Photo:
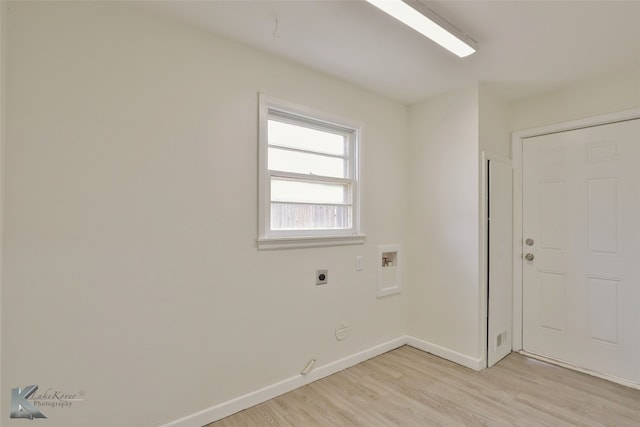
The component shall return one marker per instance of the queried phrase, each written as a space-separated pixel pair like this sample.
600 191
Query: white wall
130 219
443 274
446 296
616 91
493 122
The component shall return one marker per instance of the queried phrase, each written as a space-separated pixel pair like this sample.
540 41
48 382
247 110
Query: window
308 178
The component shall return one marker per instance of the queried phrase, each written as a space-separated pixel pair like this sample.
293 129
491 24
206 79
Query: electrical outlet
322 277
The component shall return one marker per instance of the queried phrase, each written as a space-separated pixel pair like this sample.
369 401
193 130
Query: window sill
271 243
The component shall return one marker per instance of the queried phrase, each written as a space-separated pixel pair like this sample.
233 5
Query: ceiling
525 47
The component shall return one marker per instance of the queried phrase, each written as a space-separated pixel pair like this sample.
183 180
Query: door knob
529 242
529 257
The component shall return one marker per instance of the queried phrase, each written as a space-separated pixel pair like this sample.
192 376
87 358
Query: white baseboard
238 404
453 356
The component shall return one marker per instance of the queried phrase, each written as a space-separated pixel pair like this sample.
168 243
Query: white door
499 265
581 229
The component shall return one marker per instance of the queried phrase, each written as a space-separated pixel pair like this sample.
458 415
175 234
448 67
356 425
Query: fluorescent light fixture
429 24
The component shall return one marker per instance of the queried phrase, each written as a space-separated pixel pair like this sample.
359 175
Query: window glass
304 138
285 190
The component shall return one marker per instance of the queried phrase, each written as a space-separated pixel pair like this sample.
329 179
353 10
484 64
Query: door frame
517 141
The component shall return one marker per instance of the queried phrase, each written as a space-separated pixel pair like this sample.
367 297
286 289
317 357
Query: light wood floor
407 387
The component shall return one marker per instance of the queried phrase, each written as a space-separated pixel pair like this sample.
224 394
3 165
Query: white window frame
283 239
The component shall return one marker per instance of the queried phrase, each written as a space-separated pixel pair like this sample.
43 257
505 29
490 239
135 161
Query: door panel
581 210
500 193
